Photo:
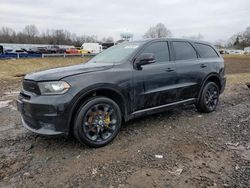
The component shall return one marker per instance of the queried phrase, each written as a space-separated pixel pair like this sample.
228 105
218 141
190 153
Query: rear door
210 60
187 69
155 83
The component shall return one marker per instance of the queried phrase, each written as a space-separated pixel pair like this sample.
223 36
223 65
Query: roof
172 39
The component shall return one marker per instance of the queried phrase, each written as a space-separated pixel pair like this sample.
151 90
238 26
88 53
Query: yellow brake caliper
107 119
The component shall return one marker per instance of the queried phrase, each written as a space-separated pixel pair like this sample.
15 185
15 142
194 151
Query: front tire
97 122
209 98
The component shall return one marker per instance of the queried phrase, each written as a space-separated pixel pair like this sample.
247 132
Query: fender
214 74
91 89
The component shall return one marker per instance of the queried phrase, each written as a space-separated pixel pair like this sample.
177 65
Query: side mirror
144 59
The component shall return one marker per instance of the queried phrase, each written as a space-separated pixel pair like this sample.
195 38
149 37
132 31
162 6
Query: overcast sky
214 19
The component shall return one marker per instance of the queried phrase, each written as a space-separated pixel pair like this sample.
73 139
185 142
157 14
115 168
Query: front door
155 83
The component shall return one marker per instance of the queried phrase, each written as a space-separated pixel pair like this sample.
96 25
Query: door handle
203 66
169 69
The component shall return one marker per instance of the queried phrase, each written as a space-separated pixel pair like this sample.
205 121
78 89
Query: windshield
116 53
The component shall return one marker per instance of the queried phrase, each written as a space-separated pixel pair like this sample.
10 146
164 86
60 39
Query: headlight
53 88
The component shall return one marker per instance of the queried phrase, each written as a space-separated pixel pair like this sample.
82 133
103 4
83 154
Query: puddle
5 103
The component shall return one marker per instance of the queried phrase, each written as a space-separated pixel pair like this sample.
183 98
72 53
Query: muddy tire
209 98
97 122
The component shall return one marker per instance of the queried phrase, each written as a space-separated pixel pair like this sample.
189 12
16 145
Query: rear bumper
47 115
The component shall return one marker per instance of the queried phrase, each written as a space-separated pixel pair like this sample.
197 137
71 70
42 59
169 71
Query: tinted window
206 51
159 49
184 50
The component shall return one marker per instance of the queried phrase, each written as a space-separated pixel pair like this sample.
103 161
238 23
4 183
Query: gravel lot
177 148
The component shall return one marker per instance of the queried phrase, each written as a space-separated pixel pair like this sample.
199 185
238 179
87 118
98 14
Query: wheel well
114 96
104 93
214 79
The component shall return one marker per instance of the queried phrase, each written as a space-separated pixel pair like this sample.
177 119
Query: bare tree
240 40
60 36
6 31
220 43
30 34
246 35
7 34
30 31
158 31
231 40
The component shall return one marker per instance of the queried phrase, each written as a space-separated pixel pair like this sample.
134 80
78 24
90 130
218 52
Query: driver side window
159 49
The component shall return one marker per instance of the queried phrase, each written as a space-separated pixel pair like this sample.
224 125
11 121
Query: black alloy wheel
98 122
209 98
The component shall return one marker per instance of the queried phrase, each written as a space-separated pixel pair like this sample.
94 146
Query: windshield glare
116 53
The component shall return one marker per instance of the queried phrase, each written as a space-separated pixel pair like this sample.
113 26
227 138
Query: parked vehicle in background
82 51
235 52
247 50
8 50
15 51
29 51
120 41
123 82
20 51
1 49
72 51
92 47
40 50
56 50
107 45
223 51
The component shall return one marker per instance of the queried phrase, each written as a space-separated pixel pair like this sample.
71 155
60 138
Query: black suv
91 100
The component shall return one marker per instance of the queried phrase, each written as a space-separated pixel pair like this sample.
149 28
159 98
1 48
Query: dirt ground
177 148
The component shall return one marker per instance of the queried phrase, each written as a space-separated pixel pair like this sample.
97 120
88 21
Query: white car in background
16 51
236 52
94 48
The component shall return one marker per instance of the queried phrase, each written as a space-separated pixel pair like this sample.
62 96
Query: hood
59 73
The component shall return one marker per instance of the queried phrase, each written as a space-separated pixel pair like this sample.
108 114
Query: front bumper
41 130
47 115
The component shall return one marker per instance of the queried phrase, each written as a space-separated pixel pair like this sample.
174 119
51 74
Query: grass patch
231 56
237 64
14 68
242 78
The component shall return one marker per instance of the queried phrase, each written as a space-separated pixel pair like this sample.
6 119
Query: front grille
31 86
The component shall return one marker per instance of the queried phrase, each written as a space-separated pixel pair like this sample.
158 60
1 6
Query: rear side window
206 51
184 51
159 49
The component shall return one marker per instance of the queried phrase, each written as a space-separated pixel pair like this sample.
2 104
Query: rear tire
97 122
209 98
